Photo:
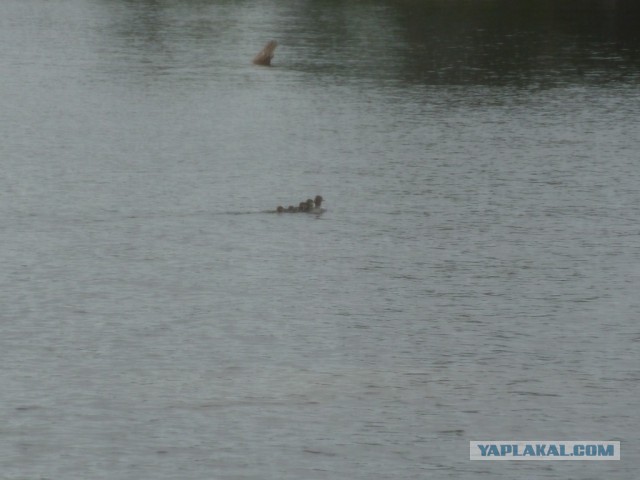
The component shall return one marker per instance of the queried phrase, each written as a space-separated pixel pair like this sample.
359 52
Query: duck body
310 206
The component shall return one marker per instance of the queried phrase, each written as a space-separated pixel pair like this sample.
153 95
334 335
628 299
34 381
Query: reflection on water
502 42
488 42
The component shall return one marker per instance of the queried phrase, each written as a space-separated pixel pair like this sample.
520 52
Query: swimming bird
309 206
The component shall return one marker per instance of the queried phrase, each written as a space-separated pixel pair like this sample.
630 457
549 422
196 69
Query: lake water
475 275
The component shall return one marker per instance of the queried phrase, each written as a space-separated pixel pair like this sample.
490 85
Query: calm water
475 275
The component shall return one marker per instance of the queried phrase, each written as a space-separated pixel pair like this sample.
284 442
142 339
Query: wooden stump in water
266 54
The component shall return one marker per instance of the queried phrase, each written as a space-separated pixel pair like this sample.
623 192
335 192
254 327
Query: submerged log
266 54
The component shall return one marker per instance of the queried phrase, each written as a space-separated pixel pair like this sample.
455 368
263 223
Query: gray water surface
475 275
